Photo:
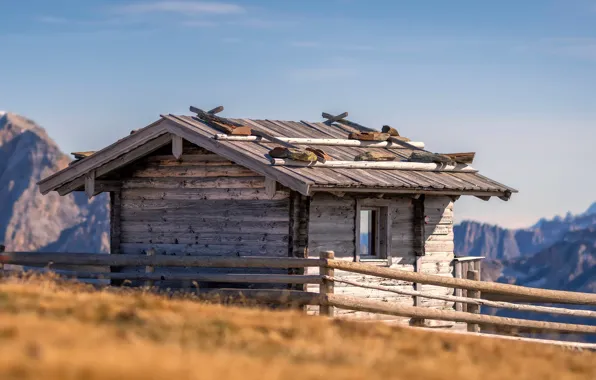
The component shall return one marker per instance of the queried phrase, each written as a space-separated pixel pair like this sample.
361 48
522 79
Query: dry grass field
55 330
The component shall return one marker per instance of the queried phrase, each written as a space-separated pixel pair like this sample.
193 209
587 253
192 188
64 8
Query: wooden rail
32 258
545 295
326 299
473 301
173 276
359 304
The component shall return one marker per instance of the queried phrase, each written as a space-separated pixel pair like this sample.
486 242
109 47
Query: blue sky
512 80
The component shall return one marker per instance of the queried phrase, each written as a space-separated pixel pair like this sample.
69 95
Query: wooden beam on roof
90 184
215 110
484 198
386 165
330 118
357 127
405 144
212 118
316 141
177 146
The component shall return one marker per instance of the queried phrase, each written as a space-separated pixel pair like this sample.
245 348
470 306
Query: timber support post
326 286
474 309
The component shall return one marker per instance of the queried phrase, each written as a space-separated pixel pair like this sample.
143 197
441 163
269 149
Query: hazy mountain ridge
494 242
30 221
559 253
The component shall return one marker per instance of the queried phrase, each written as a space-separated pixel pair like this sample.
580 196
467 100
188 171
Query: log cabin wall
201 205
332 226
438 252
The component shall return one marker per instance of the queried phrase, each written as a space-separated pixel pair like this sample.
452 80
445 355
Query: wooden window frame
382 232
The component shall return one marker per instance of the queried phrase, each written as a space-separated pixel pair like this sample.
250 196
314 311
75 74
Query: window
372 231
369 232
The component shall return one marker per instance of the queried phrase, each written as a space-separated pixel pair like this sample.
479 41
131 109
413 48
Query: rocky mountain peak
30 221
591 210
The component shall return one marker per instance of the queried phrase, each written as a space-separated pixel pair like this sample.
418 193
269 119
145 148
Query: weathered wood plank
41 258
205 207
201 194
188 158
195 183
193 171
116 163
269 249
177 146
224 278
200 226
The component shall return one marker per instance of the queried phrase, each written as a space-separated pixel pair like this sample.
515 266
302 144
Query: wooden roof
254 155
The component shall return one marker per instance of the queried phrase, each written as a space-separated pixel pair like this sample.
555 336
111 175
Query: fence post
458 292
149 268
326 286
475 309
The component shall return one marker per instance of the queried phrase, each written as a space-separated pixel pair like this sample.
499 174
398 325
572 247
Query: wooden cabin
208 185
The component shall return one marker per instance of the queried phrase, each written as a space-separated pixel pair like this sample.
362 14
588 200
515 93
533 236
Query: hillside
61 331
30 221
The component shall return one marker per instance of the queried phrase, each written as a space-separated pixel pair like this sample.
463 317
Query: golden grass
52 330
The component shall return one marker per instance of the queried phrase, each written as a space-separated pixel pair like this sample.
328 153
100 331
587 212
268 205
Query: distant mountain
558 253
494 242
591 210
30 221
568 264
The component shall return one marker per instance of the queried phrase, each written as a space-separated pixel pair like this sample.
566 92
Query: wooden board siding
332 227
201 205
438 248
298 232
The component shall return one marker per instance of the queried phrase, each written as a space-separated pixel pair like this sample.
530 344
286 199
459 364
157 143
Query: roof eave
503 195
81 167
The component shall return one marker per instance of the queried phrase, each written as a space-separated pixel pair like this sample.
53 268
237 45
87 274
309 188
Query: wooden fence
468 312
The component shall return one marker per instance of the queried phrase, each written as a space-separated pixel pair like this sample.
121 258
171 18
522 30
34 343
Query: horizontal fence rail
326 299
544 295
300 298
32 258
165 276
473 301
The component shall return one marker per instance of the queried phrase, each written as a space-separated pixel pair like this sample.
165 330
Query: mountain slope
30 221
494 242
558 254
569 264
